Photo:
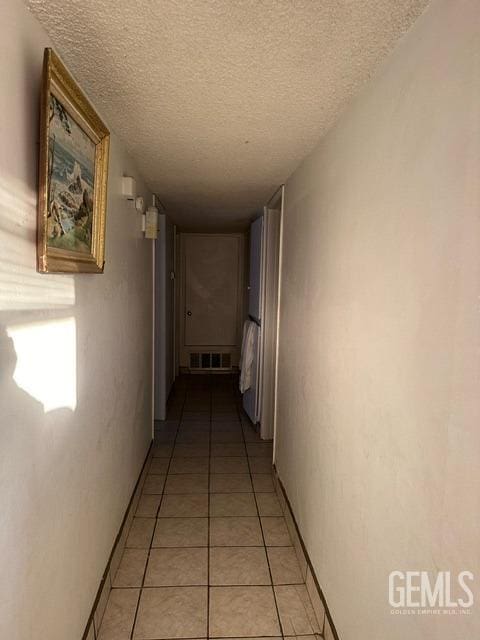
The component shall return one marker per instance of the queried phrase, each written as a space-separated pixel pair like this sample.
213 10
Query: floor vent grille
210 360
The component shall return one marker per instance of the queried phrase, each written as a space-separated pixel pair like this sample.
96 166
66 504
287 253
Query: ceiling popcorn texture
218 101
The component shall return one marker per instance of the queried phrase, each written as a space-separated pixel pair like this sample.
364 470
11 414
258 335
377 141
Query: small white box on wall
129 188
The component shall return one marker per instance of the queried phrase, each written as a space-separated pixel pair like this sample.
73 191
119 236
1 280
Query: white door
211 310
250 397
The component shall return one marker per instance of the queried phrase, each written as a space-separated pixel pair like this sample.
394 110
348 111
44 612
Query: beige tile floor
208 554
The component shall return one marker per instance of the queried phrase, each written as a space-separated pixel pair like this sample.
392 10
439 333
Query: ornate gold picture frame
72 192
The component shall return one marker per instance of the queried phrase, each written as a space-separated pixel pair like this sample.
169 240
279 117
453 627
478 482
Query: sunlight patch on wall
46 361
21 287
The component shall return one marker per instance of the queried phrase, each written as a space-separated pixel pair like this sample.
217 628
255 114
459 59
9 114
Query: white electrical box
129 188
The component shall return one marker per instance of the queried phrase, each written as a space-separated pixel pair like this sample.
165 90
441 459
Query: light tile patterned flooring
208 554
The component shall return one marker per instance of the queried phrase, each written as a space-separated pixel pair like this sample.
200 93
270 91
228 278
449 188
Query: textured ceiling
219 100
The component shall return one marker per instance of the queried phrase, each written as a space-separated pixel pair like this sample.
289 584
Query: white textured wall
379 387
76 425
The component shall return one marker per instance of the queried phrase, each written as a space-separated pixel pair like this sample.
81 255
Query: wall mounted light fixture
150 216
151 221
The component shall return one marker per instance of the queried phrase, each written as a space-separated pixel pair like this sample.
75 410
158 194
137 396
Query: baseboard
100 602
315 592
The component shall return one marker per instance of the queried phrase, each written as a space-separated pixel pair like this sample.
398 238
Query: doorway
210 306
259 399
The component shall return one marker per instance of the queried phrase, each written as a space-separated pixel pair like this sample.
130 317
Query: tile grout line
154 528
221 586
261 529
243 638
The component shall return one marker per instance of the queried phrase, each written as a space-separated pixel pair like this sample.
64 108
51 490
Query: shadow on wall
19 409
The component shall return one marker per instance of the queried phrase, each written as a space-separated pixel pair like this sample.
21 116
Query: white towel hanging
247 355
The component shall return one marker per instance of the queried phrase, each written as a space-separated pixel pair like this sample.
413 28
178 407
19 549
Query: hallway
208 554
239 320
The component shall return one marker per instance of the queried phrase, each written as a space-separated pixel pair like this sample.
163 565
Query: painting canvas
73 168
71 181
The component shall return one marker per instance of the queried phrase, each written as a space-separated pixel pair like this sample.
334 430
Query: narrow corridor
208 554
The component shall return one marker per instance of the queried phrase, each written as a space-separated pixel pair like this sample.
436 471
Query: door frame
163 340
272 261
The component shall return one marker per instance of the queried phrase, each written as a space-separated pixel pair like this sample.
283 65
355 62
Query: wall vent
209 360
194 361
226 361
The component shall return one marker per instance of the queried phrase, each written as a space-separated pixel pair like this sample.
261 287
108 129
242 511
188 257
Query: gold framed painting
74 146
